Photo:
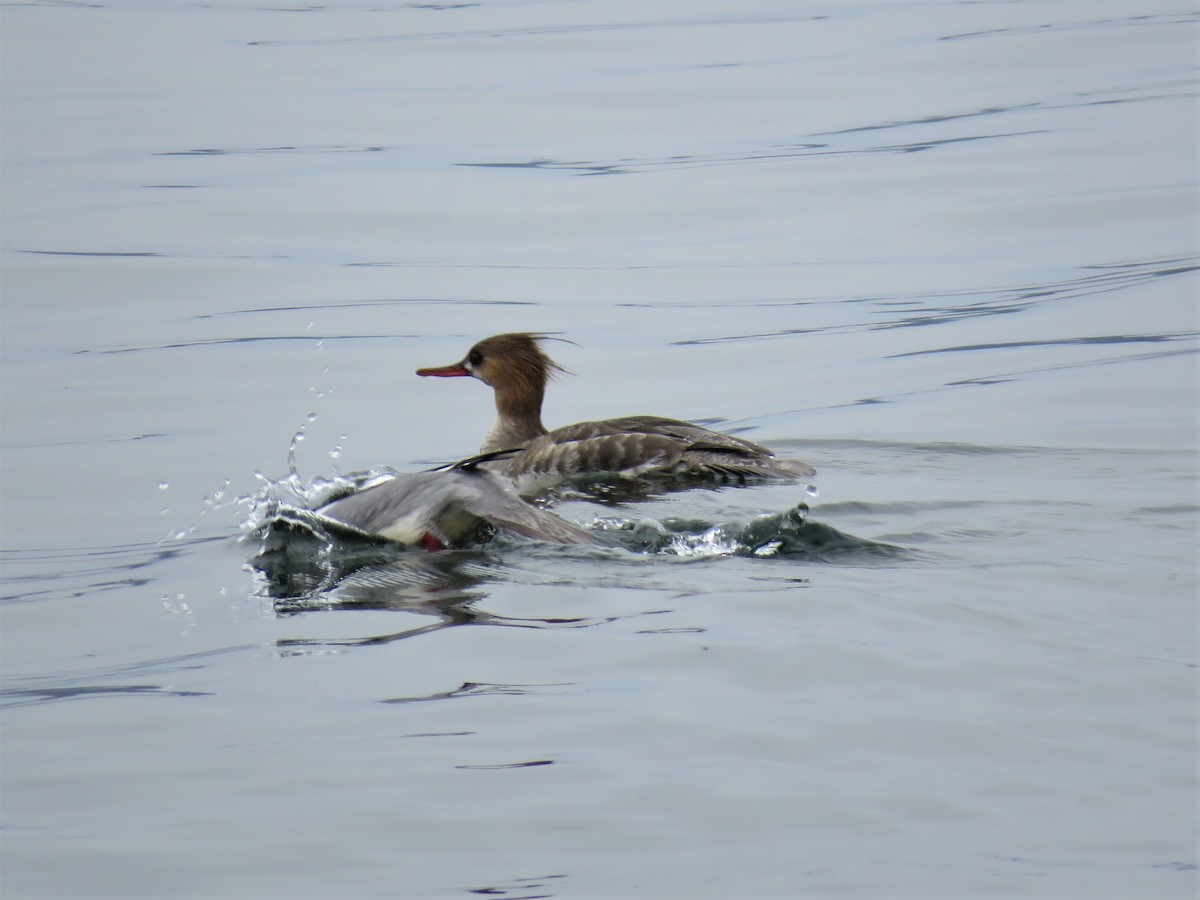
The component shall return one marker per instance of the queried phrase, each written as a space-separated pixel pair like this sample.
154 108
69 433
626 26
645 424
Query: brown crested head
513 363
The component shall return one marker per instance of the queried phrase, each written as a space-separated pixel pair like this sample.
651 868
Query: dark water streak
1148 92
1050 27
537 31
933 309
35 696
85 571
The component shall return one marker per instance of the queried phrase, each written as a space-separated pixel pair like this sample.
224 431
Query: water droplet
812 490
162 485
336 453
796 516
312 417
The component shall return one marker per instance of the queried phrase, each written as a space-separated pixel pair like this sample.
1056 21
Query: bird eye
474 357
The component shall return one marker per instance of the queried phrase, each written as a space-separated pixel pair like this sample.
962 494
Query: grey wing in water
448 505
405 502
500 504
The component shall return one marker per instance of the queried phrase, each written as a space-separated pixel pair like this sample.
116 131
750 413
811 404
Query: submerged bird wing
447 505
493 498
378 509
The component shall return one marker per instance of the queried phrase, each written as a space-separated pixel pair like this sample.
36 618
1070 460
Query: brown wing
650 444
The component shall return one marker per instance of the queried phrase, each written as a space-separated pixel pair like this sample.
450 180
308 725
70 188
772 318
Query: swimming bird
447 507
517 369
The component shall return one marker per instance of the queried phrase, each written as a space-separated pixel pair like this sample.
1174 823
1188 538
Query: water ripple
51 573
259 339
539 30
517 888
30 697
846 141
1058 342
484 689
776 153
887 312
1181 18
230 151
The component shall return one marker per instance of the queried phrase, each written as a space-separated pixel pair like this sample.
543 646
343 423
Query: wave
304 561
789 535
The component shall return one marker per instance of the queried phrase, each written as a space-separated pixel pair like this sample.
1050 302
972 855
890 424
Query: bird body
517 369
444 508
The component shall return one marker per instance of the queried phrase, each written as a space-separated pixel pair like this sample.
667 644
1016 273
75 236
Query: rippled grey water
944 251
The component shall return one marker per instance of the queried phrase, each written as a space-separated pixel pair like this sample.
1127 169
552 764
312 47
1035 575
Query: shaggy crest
516 359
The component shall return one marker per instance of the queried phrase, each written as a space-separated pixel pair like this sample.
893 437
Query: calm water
945 251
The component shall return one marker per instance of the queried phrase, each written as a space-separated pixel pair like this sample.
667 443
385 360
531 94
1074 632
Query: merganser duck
446 507
517 369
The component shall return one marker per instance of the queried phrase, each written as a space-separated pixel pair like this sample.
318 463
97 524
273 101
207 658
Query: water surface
943 251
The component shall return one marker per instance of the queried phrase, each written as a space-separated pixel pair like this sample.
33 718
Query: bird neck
518 419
